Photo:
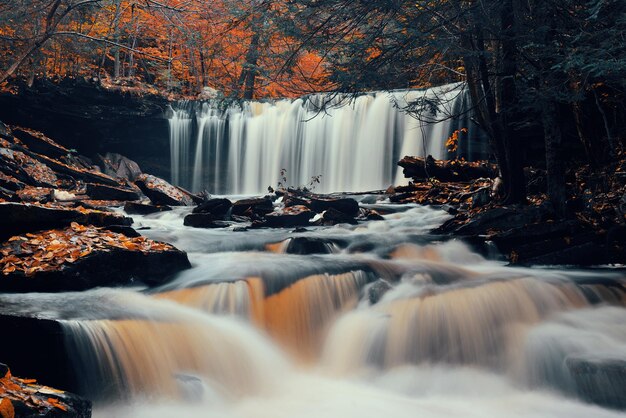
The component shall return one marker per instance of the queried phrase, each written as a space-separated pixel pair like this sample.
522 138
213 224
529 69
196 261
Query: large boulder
17 218
288 217
161 192
218 208
26 398
347 206
83 257
118 166
250 207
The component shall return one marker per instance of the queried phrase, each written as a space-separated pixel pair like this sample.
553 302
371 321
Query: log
420 169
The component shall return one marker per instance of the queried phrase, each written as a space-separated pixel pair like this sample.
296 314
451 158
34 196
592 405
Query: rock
79 258
419 168
449 209
5 131
95 120
118 166
512 238
161 192
481 197
499 219
218 208
377 290
602 382
17 218
369 215
333 217
135 208
346 206
39 143
104 192
26 169
289 217
78 173
26 398
31 194
576 251
124 230
204 220
310 245
256 206
10 183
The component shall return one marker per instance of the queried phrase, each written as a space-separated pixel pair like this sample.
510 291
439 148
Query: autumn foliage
174 45
49 250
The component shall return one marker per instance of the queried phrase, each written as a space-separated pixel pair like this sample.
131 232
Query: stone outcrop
83 257
161 192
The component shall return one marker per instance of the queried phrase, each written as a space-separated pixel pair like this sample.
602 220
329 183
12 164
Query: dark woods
547 78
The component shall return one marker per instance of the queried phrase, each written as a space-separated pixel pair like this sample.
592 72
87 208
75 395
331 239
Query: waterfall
353 143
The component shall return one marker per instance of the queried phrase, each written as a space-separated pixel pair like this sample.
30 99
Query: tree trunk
554 160
515 183
22 57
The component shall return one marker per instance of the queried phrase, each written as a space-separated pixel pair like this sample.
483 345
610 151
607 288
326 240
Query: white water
353 145
250 333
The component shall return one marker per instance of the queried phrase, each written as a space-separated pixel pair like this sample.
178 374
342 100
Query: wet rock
39 143
17 218
104 192
535 232
498 219
333 217
218 208
161 192
289 217
204 220
256 206
377 290
80 258
602 382
310 245
26 398
136 208
576 251
481 197
369 215
346 206
118 166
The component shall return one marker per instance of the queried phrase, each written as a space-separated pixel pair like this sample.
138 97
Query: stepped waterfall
386 319
352 142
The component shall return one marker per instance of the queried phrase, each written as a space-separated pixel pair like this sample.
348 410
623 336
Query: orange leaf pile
50 250
29 393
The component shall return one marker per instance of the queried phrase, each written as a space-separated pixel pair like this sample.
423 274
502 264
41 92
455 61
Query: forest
322 208
551 69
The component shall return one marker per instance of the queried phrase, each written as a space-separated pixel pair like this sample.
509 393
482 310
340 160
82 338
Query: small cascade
297 316
352 143
170 346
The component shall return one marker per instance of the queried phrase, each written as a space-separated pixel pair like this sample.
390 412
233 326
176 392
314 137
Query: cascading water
353 144
384 321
